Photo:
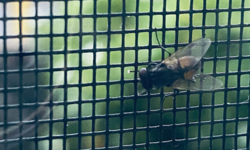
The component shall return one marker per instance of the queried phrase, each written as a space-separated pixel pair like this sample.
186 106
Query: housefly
181 70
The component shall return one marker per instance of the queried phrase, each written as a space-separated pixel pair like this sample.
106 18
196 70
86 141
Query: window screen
64 81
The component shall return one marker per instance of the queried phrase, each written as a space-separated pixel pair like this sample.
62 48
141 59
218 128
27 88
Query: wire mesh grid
64 81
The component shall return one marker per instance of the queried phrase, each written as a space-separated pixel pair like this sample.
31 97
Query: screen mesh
64 81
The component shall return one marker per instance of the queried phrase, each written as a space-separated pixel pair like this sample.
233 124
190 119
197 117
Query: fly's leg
193 80
165 96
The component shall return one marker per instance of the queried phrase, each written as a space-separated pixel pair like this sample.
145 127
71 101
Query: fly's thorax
160 75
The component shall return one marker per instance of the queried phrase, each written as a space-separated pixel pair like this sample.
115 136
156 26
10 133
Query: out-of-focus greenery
202 104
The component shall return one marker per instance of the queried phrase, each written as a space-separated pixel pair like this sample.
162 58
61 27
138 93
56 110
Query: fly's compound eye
146 83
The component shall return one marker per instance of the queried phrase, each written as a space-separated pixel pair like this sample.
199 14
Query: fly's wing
201 82
196 49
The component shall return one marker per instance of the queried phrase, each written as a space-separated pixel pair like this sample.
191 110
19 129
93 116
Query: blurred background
64 81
